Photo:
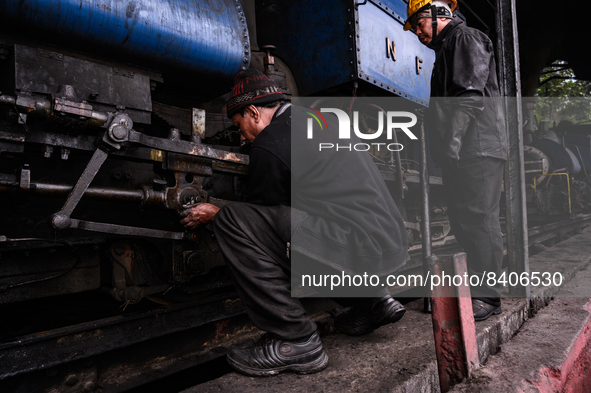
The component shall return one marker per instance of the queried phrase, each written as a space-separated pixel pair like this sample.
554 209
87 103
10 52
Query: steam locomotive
557 166
112 119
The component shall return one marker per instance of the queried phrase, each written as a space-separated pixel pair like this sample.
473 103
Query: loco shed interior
112 120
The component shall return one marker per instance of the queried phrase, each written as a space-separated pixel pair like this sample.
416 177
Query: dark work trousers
253 239
473 193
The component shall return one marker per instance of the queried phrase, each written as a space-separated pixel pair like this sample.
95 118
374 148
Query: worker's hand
199 214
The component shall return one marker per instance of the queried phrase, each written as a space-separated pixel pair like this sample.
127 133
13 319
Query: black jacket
342 212
467 117
269 168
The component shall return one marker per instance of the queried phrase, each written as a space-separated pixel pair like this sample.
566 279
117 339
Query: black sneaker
483 310
369 315
270 356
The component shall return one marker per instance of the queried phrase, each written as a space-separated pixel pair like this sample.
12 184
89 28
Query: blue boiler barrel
203 36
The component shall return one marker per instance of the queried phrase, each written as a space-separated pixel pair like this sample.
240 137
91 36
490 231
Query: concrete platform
401 357
550 353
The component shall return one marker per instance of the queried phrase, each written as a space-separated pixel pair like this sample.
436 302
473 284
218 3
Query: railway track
120 351
549 232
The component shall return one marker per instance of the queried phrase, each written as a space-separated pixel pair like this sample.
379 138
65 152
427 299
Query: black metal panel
315 39
43 350
26 267
42 71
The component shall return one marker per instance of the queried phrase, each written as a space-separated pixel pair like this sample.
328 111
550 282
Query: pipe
425 219
40 106
105 193
396 156
8 100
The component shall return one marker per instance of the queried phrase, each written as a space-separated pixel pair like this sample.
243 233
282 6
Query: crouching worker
339 200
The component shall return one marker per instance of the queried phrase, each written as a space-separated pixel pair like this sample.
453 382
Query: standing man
340 215
467 126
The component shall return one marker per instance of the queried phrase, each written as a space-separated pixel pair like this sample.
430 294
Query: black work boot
270 355
369 315
483 310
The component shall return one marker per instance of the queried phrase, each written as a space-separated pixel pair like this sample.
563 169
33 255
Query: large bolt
119 133
89 386
174 134
65 153
48 151
60 221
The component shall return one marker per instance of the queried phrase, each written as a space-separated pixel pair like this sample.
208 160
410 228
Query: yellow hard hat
415 5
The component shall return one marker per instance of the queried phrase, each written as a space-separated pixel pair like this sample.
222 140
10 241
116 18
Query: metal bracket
25 178
119 129
112 139
75 108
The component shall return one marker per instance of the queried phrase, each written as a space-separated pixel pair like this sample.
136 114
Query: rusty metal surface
75 108
225 160
453 323
225 166
37 103
190 148
465 312
81 113
198 128
189 164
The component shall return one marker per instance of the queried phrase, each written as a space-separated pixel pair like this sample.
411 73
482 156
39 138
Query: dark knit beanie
252 87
